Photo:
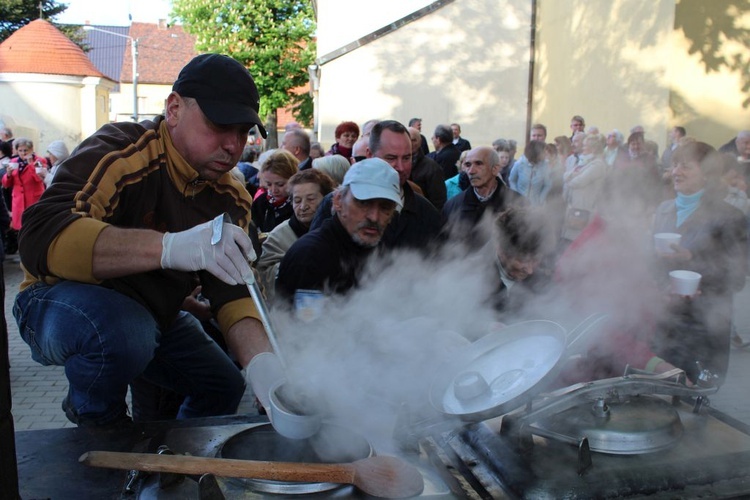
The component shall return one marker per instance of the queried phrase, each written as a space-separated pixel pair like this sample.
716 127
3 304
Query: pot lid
497 373
641 424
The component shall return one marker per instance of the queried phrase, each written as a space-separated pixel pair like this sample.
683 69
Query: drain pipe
532 61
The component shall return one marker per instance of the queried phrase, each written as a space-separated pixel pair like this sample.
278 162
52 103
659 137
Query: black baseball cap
223 88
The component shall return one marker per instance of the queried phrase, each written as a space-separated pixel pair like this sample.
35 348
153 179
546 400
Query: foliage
716 31
273 38
15 14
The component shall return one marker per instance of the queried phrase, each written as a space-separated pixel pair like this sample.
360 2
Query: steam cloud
378 348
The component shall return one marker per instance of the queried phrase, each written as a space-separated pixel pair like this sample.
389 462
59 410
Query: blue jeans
105 339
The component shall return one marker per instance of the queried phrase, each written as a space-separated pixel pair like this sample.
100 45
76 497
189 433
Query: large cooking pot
503 370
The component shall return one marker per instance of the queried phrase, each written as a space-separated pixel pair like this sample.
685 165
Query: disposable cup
663 241
684 282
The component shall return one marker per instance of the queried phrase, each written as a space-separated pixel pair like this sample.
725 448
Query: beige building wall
46 108
466 62
624 62
617 63
151 101
606 60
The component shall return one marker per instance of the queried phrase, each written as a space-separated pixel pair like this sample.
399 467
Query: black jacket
266 217
325 259
429 177
447 158
463 144
462 213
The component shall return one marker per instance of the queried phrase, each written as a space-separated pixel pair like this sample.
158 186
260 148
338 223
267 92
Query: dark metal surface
48 464
8 466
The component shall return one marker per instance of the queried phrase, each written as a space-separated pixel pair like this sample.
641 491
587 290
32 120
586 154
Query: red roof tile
41 48
162 52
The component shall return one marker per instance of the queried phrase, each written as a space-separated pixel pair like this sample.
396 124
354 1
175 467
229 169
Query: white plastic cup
663 242
684 282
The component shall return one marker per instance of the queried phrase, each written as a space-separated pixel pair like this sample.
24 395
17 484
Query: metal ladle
217 231
285 421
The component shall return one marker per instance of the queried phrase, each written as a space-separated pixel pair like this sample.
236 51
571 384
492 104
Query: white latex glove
262 373
191 250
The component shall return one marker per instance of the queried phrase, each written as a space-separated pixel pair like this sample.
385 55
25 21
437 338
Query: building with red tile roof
49 89
162 52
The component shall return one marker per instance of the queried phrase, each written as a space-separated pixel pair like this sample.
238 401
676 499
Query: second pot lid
641 424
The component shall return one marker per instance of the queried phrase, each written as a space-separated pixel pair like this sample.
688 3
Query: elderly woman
582 186
273 206
460 181
713 244
614 145
58 153
24 176
335 166
636 172
306 190
316 150
530 175
346 134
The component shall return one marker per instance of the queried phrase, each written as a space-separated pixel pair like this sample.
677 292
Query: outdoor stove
629 437
492 429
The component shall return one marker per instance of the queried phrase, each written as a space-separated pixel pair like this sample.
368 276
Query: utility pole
134 53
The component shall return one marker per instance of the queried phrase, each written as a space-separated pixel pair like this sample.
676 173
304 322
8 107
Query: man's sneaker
70 413
120 422
738 342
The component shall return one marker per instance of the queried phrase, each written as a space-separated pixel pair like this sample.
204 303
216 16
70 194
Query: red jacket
597 278
27 187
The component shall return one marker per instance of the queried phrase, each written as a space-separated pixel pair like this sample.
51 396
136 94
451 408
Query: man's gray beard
361 243
356 238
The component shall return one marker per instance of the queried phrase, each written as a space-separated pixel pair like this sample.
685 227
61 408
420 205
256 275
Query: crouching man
113 247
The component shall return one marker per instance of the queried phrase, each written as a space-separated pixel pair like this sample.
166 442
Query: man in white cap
331 258
119 240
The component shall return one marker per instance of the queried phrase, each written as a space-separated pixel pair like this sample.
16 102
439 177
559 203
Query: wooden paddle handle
223 467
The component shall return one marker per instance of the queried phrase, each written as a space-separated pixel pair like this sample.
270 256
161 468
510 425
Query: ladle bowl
289 419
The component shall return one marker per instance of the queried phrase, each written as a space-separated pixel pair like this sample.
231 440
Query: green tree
15 14
716 31
273 38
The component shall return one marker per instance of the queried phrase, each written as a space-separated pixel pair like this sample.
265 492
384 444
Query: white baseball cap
373 178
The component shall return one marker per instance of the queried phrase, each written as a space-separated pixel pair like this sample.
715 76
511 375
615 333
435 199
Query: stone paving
38 390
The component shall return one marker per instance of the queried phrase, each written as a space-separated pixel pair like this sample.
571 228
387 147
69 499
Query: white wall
47 108
466 62
151 101
606 60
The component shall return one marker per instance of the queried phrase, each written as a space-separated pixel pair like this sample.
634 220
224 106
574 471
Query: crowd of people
24 176
583 191
130 240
